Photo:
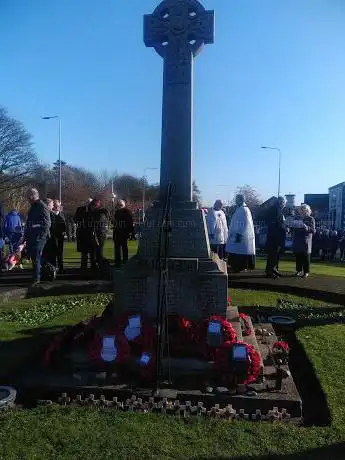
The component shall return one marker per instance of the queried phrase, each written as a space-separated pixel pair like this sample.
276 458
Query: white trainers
299 274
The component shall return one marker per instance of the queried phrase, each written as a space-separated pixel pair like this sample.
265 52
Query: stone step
232 316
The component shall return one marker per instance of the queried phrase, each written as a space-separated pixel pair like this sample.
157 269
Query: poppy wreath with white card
212 333
181 335
109 347
141 337
224 366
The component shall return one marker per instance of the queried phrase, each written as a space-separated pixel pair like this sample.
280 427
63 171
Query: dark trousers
99 249
121 245
50 251
302 262
85 256
273 257
59 251
218 249
36 258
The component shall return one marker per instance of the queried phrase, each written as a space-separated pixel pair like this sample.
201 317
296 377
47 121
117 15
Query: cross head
178 25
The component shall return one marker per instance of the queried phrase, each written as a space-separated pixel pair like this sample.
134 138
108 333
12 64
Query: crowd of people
236 242
41 239
327 243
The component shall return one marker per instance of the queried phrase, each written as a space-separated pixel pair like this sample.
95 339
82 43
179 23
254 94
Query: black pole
161 292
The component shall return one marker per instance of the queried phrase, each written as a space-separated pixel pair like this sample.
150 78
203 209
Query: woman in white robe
240 246
217 228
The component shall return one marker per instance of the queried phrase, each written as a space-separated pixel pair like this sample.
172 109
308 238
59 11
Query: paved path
321 287
17 285
331 289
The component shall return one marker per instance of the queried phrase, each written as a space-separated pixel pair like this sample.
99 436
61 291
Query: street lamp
60 166
143 204
280 159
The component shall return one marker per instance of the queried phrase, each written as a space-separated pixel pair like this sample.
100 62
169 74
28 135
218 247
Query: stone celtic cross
177 30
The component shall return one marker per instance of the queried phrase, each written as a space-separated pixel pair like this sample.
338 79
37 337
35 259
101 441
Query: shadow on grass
332 452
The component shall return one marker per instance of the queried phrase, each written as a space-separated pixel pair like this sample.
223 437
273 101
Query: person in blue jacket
1 229
13 229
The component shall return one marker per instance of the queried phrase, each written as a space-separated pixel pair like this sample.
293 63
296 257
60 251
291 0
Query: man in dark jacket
276 234
60 230
84 233
123 227
100 218
36 232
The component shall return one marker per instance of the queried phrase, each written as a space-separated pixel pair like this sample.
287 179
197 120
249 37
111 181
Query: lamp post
143 204
280 159
60 166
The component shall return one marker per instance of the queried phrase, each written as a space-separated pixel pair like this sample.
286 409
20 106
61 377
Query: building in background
290 201
337 206
319 203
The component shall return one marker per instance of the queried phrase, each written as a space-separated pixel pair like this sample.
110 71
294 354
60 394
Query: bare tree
17 158
196 193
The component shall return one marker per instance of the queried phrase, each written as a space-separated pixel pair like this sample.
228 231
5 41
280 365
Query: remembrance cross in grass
177 30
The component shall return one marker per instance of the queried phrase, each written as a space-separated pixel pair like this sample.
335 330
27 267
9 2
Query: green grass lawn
81 433
72 258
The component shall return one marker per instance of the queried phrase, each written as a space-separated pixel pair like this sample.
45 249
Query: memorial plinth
197 280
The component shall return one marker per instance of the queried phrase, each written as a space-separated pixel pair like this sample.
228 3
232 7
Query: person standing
123 227
13 229
37 232
217 228
276 235
60 231
342 245
83 220
240 246
100 218
334 244
50 249
304 229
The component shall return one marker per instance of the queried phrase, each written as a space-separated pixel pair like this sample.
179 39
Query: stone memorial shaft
197 282
177 30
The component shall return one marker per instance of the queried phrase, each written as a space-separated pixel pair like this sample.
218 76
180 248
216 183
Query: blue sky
275 76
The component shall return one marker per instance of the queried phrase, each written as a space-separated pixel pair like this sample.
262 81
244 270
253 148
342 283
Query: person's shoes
272 275
35 284
278 274
299 274
305 276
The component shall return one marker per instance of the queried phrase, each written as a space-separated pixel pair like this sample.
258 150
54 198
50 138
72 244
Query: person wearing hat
276 235
217 228
123 227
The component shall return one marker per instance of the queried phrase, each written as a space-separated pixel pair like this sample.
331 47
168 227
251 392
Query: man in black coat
99 219
36 232
276 235
60 230
123 228
83 220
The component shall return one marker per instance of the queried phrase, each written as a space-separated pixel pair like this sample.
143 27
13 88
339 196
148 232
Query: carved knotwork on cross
177 30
